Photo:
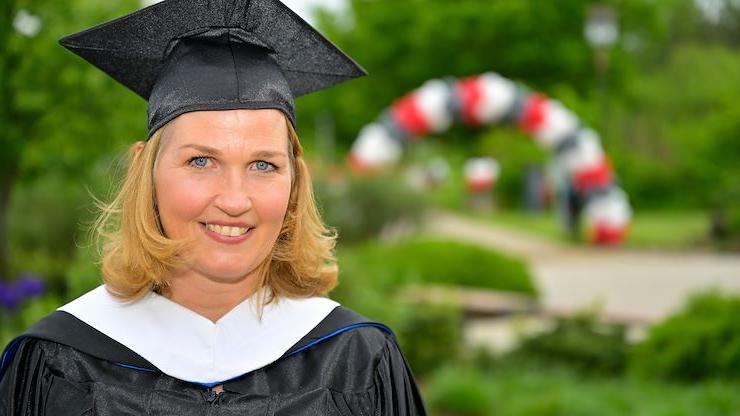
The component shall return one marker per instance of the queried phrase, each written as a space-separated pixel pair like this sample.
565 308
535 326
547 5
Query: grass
671 230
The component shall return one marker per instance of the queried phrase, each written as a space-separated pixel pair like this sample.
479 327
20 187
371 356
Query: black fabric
338 319
359 371
214 70
64 328
214 55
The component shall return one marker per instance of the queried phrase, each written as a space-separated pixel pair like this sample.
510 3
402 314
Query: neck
207 297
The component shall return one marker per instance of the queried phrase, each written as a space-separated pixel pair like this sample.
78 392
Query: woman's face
225 178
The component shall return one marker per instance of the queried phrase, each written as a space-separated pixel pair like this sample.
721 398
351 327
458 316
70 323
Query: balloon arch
487 99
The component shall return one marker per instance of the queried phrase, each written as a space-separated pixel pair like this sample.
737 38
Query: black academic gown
347 365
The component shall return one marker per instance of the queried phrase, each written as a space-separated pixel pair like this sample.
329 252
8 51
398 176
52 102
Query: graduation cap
192 55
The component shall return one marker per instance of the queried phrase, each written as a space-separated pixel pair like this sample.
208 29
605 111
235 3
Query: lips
227 233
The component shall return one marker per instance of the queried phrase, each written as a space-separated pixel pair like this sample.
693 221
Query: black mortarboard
190 55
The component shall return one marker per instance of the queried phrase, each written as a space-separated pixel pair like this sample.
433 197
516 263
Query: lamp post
601 31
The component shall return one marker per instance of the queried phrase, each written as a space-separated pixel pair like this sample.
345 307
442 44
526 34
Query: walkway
624 284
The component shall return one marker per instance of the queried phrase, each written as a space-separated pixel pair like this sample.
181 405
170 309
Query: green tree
59 114
678 146
403 44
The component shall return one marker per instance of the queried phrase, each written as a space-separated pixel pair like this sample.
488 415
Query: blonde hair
137 257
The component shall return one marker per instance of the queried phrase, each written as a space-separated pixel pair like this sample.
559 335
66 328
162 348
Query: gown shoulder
355 369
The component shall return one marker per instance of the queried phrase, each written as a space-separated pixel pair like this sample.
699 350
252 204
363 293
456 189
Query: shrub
725 217
431 336
464 390
448 262
579 343
433 261
459 391
360 207
700 342
371 273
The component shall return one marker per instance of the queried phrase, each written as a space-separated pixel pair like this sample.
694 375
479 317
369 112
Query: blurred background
541 198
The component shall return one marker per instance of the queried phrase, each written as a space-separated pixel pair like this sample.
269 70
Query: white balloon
375 147
481 169
433 98
587 152
558 124
611 209
498 98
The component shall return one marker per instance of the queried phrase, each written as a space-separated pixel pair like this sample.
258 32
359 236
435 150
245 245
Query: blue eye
198 162
263 166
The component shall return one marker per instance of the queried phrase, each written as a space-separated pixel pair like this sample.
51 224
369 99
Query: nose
234 197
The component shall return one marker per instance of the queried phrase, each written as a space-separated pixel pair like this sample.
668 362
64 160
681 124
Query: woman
216 263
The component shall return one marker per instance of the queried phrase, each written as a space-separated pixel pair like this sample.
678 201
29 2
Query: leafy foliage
401 45
462 389
680 148
460 392
430 336
360 207
580 343
61 117
671 147
419 261
700 342
371 275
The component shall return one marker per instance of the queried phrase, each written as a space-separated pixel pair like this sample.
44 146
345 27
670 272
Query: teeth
226 230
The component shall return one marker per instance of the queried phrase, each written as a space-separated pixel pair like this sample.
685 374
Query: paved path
625 284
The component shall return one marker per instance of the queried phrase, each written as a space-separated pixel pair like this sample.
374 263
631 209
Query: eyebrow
211 151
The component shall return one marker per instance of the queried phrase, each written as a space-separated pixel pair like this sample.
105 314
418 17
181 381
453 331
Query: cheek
273 202
179 201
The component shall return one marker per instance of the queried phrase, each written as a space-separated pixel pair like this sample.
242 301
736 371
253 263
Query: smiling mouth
227 231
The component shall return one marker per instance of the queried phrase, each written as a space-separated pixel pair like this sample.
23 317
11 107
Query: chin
226 270
225 275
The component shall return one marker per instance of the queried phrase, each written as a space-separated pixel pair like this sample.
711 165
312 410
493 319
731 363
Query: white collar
190 347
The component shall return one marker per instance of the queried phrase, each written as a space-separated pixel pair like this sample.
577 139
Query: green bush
464 389
43 221
13 323
430 337
371 274
455 391
733 221
580 343
516 152
421 261
700 342
677 146
359 207
725 216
